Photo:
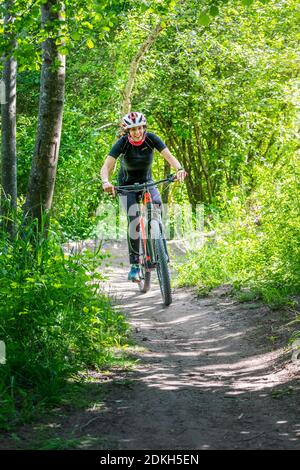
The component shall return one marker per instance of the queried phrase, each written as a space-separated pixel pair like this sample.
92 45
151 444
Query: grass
80 400
55 322
241 257
256 243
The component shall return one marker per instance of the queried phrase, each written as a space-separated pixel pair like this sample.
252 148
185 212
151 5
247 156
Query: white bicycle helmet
133 120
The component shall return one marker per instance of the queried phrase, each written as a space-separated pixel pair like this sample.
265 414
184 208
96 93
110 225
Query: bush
257 241
54 320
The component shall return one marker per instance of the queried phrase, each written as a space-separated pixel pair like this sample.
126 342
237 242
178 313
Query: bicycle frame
153 247
148 214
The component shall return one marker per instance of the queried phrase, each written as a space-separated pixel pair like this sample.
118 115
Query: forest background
219 82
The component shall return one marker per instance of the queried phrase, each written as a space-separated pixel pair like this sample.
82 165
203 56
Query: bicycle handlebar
139 186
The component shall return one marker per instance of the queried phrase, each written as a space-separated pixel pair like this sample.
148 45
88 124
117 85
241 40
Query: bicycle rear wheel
163 272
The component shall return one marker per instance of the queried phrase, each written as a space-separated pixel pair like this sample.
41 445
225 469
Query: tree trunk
185 150
43 171
202 162
126 104
9 152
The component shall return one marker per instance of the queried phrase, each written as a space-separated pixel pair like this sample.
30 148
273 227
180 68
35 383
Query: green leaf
63 50
90 44
87 24
214 11
76 36
204 20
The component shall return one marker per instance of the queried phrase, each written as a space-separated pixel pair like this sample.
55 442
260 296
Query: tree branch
126 104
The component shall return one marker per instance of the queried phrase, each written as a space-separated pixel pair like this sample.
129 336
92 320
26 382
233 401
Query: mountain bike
153 253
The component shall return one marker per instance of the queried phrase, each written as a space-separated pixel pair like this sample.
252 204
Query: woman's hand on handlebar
109 188
181 175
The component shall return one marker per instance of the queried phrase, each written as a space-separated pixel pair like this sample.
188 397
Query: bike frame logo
2 353
2 92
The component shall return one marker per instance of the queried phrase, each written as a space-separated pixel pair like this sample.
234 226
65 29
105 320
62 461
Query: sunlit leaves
90 44
227 79
204 19
77 19
76 36
63 50
247 2
87 24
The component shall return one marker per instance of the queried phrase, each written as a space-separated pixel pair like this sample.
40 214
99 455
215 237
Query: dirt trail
212 375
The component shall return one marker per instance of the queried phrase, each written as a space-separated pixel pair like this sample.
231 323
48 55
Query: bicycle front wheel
163 272
145 282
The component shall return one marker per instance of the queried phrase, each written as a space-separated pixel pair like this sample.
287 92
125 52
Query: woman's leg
131 207
156 198
155 194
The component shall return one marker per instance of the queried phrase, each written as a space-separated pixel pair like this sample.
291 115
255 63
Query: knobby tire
163 272
145 283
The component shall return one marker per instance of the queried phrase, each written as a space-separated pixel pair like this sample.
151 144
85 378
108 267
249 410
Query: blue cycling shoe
134 273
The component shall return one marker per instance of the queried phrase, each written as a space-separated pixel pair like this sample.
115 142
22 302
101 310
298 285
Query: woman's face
136 133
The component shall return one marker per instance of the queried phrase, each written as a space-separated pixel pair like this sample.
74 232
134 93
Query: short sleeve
117 148
157 142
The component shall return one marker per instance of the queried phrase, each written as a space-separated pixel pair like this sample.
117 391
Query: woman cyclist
136 149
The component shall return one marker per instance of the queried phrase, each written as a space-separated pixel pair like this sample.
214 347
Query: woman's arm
107 168
105 172
180 172
171 159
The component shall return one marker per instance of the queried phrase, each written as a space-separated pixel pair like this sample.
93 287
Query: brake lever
172 177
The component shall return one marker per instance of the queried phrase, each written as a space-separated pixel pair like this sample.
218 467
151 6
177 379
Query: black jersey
136 161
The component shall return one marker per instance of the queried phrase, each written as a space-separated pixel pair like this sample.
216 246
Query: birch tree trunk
8 131
44 164
127 93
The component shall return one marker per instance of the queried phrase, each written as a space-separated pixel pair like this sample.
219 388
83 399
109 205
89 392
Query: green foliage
55 321
77 19
234 80
257 243
75 203
220 85
221 94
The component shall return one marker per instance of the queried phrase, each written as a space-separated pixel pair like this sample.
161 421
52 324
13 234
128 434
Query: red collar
136 144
